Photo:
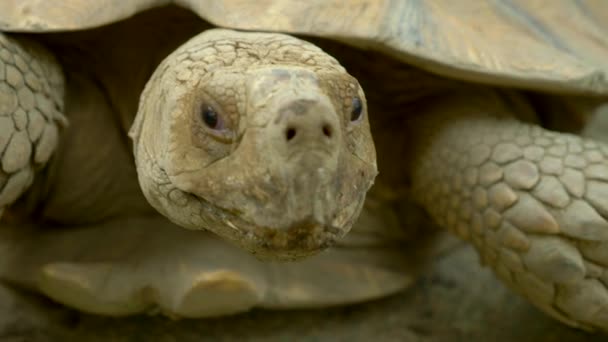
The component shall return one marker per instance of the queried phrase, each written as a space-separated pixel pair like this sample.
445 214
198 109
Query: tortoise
249 127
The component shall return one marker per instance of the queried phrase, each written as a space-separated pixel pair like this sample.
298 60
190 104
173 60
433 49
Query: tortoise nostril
290 133
327 130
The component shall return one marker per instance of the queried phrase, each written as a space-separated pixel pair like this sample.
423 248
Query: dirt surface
455 301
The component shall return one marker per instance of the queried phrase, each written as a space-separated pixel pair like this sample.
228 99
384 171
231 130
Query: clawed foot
535 205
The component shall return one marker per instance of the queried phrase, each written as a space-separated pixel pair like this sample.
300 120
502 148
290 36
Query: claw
88 287
113 269
217 293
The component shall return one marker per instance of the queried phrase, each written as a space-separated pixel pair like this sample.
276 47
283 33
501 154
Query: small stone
551 191
521 174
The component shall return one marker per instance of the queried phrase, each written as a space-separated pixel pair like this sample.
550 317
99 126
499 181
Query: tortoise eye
211 118
357 109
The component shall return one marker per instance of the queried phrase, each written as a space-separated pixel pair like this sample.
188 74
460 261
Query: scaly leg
31 113
533 202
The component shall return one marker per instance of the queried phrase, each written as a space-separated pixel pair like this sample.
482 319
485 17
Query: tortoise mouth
296 240
300 240
268 235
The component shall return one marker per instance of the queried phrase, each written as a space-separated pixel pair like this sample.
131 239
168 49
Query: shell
549 45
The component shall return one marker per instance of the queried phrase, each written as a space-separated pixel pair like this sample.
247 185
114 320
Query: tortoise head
260 138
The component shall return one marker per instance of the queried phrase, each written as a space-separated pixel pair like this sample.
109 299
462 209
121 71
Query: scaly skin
533 202
31 105
277 197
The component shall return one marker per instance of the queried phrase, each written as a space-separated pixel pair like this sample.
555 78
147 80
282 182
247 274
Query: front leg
31 113
533 202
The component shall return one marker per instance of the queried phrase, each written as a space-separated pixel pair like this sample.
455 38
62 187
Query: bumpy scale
532 201
31 103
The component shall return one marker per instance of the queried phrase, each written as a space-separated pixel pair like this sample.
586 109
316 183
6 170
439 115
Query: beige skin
270 175
530 200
